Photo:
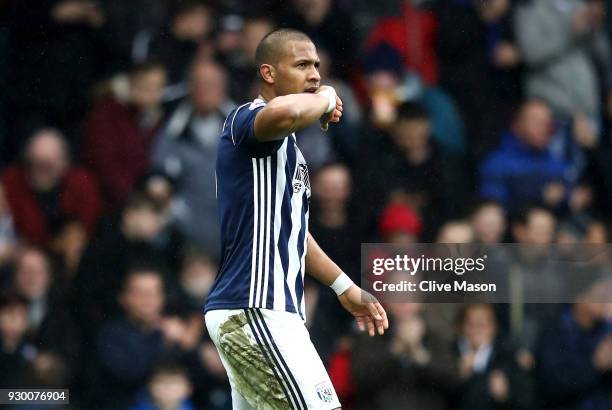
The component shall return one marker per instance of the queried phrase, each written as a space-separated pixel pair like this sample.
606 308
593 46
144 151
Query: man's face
143 298
332 187
535 124
32 275
489 224
46 162
540 228
297 70
169 390
13 322
207 86
479 326
146 89
413 134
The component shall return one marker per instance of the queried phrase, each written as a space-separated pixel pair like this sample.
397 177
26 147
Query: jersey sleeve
242 124
241 129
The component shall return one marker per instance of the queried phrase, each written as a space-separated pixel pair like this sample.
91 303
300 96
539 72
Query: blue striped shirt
263 191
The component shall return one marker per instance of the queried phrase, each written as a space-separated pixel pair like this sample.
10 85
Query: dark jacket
385 380
568 379
125 355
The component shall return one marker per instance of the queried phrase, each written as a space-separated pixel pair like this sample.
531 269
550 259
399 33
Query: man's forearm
289 113
319 265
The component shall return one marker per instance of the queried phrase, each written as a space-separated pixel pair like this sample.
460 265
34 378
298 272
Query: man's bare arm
290 113
367 310
319 265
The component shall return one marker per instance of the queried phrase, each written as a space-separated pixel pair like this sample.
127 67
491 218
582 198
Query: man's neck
267 94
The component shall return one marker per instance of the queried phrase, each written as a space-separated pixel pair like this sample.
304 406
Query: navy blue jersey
263 192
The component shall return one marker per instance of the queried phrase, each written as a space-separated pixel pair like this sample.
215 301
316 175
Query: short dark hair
522 216
269 48
169 367
187 6
140 200
465 309
142 268
411 110
145 67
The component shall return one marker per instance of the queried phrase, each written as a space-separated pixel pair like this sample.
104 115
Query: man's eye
302 65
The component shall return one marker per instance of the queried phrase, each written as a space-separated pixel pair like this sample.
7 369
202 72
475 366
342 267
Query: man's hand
334 115
366 309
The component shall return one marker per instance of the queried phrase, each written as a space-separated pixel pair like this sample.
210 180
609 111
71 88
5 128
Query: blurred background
483 121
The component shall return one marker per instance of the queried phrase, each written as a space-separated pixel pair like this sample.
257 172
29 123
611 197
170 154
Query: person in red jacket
413 35
119 135
45 186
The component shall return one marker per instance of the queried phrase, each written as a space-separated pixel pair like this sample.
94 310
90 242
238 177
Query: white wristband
331 96
341 284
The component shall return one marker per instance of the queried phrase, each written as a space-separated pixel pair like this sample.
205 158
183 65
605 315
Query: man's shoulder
241 118
245 108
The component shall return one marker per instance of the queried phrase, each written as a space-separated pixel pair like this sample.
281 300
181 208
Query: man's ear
267 73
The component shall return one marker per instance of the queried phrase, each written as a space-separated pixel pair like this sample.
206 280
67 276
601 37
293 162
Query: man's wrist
331 99
341 284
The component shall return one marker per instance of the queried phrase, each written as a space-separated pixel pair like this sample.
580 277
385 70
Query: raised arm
367 310
290 113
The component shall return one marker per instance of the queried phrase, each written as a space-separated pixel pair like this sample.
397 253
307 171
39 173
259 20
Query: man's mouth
312 89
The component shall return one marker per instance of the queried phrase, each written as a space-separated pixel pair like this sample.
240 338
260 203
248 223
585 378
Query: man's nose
314 75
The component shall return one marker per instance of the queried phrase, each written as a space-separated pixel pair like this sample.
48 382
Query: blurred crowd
466 121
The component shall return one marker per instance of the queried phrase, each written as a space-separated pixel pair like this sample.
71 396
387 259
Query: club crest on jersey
300 179
325 392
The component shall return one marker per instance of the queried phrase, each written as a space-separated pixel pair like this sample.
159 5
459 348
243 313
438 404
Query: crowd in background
485 121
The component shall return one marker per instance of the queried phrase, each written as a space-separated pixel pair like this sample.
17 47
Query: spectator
441 317
535 226
241 63
329 25
57 54
186 149
194 281
169 389
491 378
562 70
8 238
535 230
413 36
575 358
13 327
46 186
120 136
127 348
406 165
414 367
50 325
488 221
135 236
457 231
129 28
331 221
188 36
68 244
399 224
598 171
479 64
522 170
388 85
332 225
